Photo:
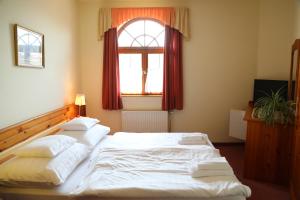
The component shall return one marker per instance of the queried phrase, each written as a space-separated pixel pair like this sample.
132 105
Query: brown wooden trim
295 46
16 44
17 133
291 76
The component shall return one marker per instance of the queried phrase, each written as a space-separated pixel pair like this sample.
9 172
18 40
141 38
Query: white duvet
149 140
156 172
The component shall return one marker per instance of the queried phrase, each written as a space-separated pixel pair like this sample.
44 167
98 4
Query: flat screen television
262 86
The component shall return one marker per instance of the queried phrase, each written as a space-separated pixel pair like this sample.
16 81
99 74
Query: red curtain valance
122 15
177 18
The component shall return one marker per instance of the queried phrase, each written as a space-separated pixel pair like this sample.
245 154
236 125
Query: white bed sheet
156 172
119 140
149 140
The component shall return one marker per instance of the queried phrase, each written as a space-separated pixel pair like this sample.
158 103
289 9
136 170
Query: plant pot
257 113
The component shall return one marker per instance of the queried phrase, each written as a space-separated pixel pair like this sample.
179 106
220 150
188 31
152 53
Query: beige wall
297 19
27 92
233 42
219 62
276 25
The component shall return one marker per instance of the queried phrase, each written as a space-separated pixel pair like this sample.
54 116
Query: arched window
141 46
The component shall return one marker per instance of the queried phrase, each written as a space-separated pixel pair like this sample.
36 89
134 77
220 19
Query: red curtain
172 97
165 15
111 96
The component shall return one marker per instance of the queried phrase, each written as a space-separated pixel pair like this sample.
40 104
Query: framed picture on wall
29 47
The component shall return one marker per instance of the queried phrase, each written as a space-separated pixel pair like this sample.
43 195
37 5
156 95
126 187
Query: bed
122 166
129 165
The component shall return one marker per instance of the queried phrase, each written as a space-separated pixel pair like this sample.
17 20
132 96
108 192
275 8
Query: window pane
130 73
153 43
149 40
124 39
139 42
136 28
154 82
161 39
153 28
141 33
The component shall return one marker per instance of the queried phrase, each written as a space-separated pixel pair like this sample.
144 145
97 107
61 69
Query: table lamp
80 101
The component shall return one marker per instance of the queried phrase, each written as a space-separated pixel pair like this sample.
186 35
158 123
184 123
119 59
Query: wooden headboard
17 133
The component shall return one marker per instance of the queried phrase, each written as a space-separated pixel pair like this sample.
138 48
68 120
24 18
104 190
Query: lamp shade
80 100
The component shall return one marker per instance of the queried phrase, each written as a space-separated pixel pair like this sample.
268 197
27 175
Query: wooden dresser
295 76
272 153
267 151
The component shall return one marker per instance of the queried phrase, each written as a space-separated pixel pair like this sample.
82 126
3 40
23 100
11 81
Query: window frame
144 51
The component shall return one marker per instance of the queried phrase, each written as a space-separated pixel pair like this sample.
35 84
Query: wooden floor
260 191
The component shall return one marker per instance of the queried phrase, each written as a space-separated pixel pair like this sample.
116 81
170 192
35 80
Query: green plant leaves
274 108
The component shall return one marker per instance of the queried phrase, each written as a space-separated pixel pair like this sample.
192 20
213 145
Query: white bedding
156 172
97 179
148 140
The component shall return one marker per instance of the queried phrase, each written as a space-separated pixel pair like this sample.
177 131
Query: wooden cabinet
273 152
268 151
295 174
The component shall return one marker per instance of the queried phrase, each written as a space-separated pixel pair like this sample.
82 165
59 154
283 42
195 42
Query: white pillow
49 171
90 137
80 124
48 146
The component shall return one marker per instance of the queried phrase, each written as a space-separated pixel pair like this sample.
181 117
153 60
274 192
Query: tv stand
267 151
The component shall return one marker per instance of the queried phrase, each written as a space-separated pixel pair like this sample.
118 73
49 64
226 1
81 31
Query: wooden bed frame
23 131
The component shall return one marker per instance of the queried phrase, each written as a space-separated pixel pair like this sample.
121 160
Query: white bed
147 140
129 177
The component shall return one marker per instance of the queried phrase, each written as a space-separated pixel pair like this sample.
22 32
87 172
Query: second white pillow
46 147
90 137
79 124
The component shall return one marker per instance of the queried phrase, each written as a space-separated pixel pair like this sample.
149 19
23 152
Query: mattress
131 141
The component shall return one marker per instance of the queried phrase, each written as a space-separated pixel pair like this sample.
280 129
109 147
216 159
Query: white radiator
145 121
237 125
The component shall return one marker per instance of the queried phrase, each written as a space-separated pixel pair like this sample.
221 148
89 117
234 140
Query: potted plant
273 108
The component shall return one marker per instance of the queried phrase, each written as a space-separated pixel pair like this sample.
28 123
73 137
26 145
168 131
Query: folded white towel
219 163
198 139
205 173
195 142
211 167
